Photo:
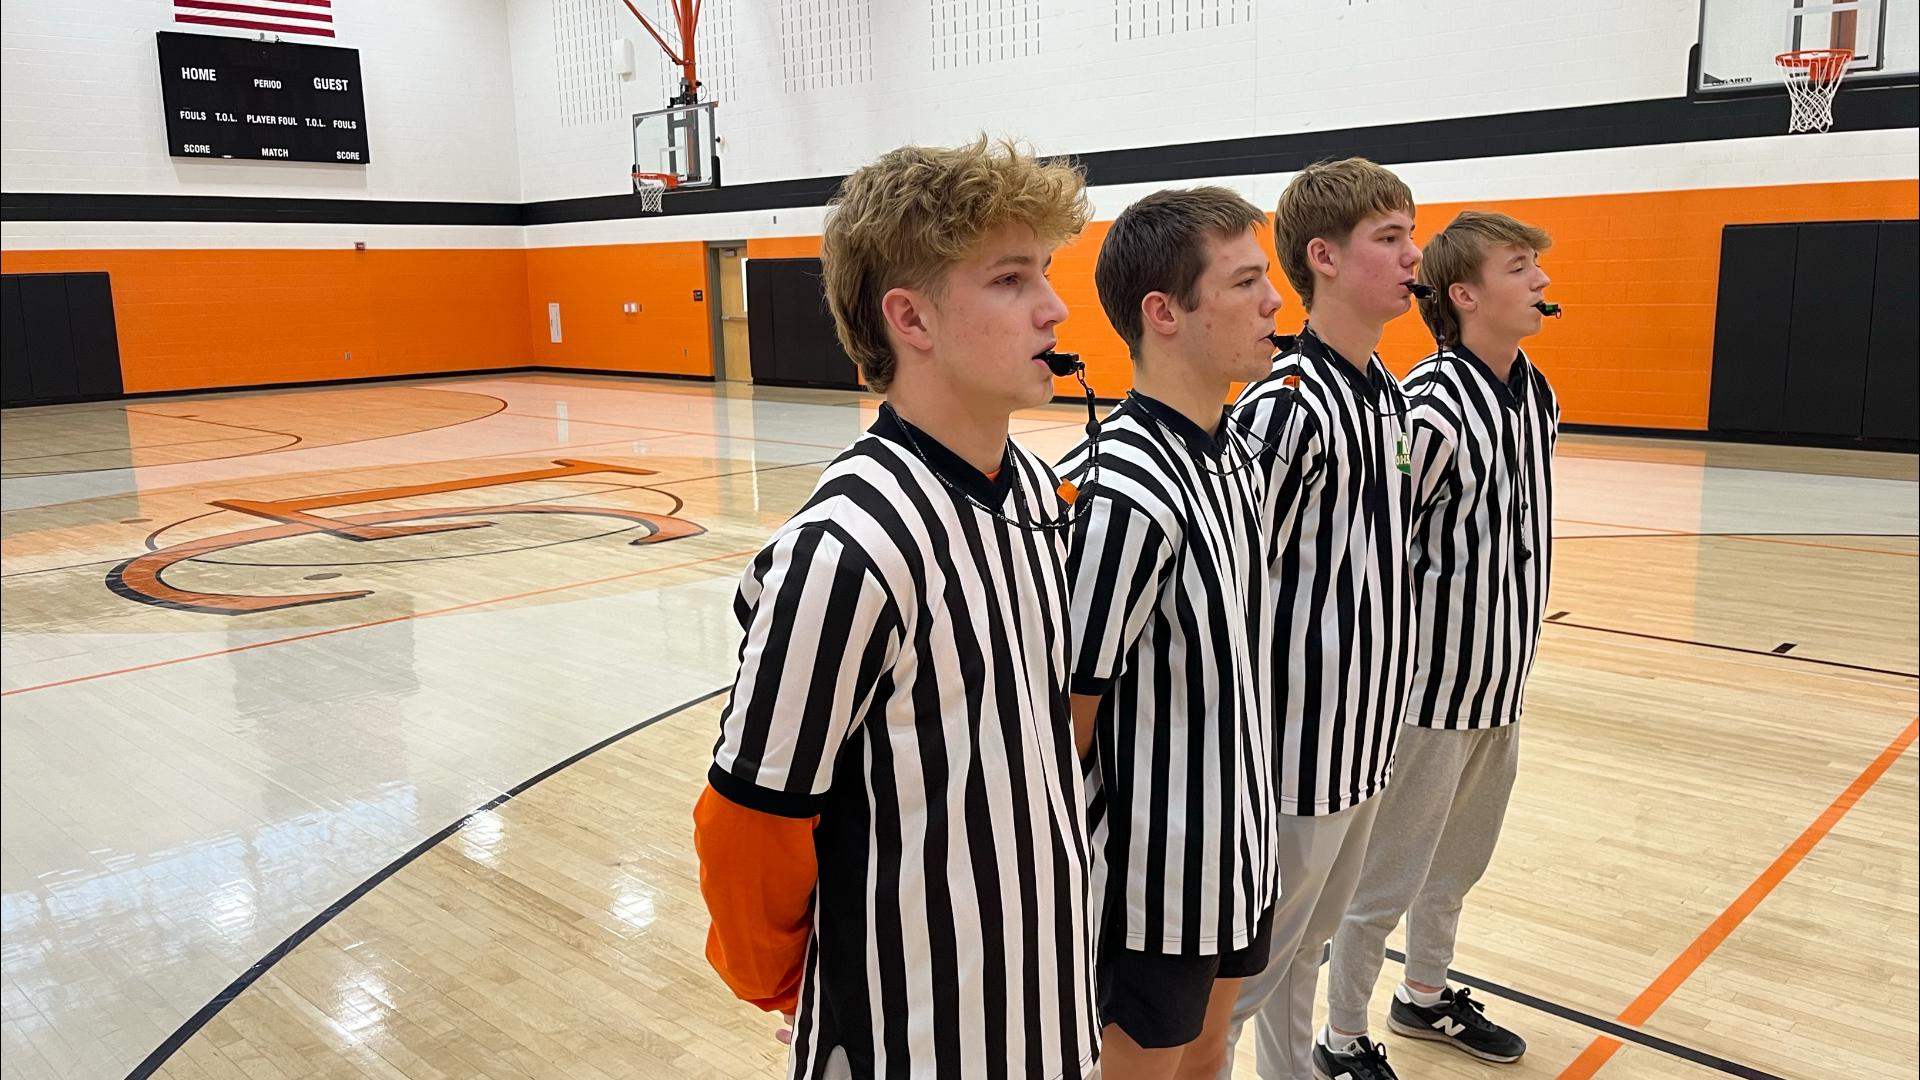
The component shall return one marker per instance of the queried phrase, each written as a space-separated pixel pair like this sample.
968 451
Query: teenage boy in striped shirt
1338 514
1484 425
1170 627
892 841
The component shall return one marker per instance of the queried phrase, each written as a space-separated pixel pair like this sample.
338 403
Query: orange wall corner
669 334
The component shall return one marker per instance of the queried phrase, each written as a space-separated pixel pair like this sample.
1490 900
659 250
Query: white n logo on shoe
1450 1027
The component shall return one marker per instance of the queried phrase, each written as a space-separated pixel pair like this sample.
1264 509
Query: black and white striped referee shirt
1483 535
1171 620
1338 517
904 676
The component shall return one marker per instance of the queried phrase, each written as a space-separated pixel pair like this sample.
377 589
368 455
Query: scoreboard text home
269 101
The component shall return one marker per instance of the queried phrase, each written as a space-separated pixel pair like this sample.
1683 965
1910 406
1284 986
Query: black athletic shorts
1161 1000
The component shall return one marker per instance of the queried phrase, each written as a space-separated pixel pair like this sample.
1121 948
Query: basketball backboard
1740 38
679 142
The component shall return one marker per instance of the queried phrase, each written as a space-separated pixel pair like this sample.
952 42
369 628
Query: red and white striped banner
311 17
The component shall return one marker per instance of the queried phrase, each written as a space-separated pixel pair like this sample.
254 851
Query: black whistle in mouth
1286 343
1060 363
1419 291
1547 308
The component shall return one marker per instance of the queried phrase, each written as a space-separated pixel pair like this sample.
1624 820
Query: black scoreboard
232 97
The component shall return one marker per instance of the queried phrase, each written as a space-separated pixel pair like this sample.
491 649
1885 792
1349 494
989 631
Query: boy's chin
1040 396
1254 370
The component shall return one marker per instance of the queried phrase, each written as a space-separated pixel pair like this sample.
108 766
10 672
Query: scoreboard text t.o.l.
263 101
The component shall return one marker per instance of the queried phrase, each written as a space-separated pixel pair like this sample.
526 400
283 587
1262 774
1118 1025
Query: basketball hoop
1813 77
652 189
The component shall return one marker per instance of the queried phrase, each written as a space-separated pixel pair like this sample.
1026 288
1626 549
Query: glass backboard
677 141
1740 38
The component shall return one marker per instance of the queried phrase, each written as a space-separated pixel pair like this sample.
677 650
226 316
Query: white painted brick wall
1297 65
81 109
463 103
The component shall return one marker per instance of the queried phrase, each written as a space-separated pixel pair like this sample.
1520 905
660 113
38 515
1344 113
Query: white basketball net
1813 78
652 195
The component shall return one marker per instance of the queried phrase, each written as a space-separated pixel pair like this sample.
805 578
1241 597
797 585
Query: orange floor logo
143 578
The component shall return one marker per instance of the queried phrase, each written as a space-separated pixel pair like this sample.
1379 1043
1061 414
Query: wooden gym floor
354 732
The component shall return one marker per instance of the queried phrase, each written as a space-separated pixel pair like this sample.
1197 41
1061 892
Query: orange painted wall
1638 274
212 318
784 247
670 333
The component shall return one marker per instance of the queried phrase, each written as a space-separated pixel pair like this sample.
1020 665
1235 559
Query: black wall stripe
1655 122
51 206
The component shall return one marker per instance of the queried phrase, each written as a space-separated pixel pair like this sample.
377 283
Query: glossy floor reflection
260 646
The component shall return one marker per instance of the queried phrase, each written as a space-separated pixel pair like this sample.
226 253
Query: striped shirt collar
1373 383
948 465
1195 436
1514 390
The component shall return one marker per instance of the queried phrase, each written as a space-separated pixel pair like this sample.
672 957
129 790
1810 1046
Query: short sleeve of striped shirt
1434 432
1288 438
821 630
1114 570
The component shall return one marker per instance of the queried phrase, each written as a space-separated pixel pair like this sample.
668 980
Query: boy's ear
1321 257
1158 314
1462 296
906 313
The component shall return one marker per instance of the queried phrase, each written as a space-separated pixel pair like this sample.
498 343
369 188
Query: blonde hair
1459 254
1329 199
901 221
1159 245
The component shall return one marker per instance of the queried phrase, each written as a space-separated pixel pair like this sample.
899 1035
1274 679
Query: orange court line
1657 992
1739 536
1617 525
1829 547
378 622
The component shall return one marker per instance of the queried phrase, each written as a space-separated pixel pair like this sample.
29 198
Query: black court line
1777 654
1611 1027
153 1061
207 1012
116 450
298 440
156 464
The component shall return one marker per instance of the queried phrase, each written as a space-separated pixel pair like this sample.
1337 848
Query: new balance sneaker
1366 1061
1459 1020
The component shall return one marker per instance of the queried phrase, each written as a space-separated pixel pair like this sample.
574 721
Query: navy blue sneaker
1366 1061
1458 1020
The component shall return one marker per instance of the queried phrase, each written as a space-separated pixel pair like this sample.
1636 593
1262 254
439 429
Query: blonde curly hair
901 221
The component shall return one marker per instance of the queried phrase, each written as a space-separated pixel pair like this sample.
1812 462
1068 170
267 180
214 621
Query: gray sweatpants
1438 823
1320 862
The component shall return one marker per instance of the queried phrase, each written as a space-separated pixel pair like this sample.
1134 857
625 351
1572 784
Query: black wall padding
96 341
1832 317
15 383
43 309
1750 328
1893 356
789 330
61 343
